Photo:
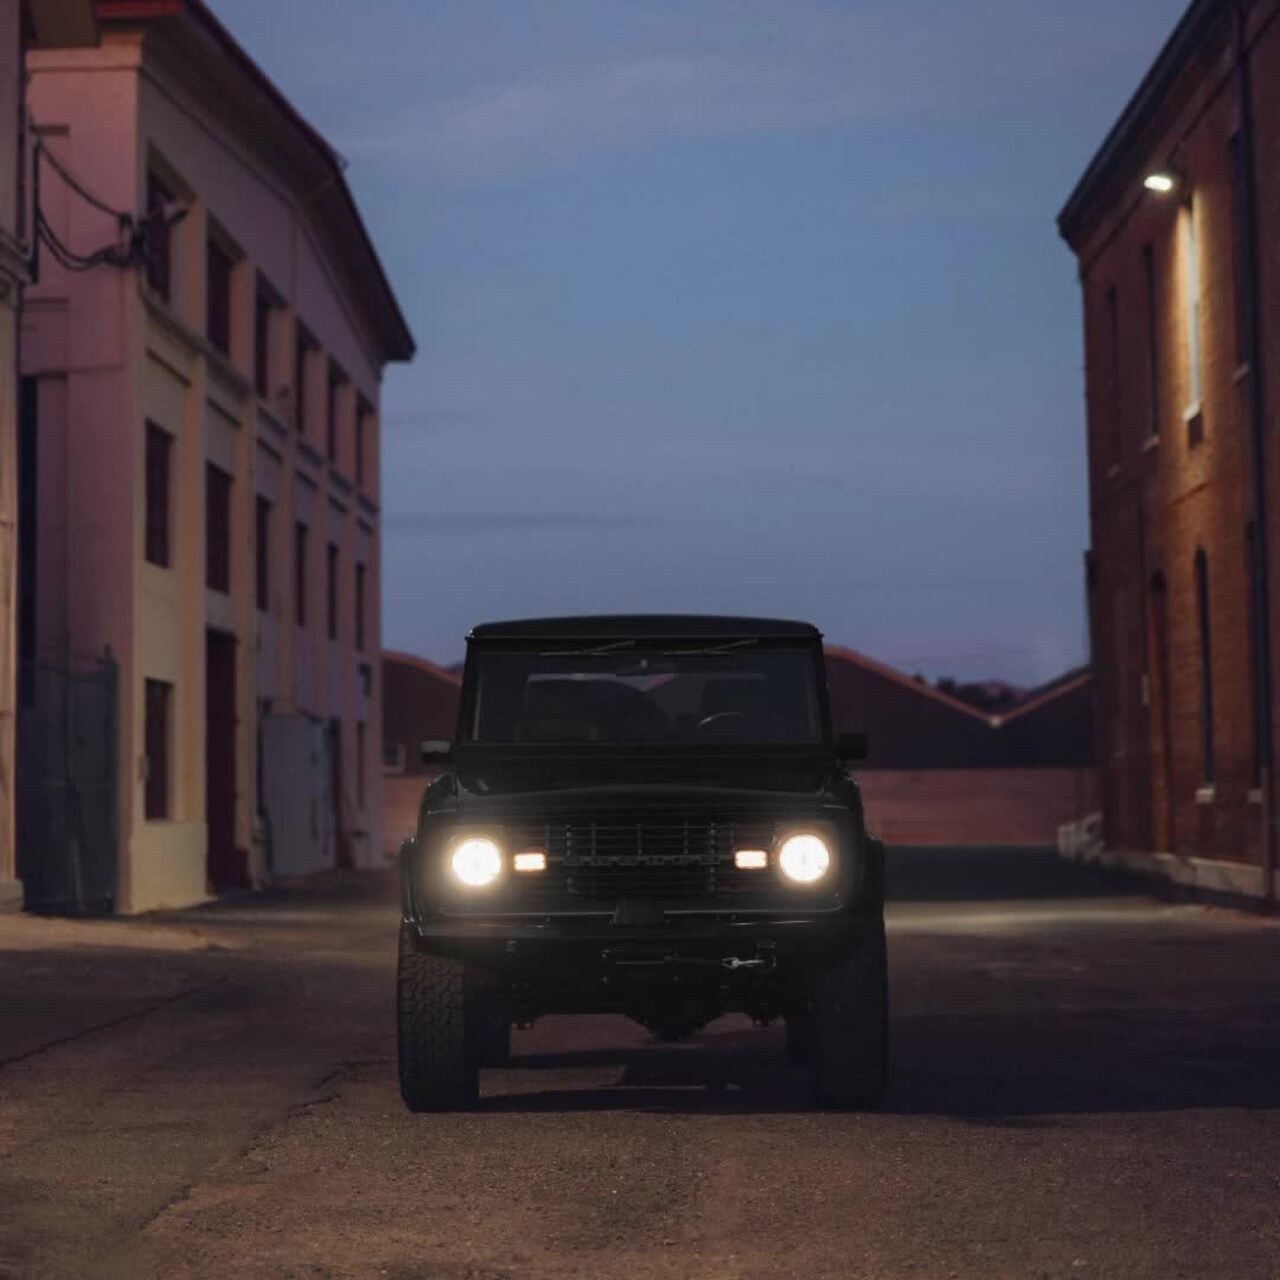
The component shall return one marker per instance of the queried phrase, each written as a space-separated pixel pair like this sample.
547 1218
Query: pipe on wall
1253 349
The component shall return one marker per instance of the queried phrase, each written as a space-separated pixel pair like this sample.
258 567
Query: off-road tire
850 1030
435 1033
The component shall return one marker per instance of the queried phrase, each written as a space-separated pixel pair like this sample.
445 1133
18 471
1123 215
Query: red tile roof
419 702
912 725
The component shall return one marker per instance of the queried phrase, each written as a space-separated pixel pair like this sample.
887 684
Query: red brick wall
976 806
1157 498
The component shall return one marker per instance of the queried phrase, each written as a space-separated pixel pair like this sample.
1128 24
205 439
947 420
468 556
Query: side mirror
436 751
852 746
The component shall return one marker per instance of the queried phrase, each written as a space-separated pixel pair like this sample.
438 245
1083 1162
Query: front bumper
510 945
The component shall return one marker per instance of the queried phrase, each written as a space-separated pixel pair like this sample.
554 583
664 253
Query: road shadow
997 1069
740 1071
1008 1067
967 875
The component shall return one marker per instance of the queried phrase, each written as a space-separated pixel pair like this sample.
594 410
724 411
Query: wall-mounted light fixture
1162 181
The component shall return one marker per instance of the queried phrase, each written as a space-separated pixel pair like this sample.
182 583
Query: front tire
850 1029
435 1040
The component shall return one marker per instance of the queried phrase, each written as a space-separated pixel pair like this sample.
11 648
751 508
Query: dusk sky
747 306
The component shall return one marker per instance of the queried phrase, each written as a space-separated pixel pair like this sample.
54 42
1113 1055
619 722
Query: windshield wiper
598 652
711 652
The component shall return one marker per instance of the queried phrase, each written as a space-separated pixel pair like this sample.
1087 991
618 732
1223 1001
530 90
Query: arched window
1206 663
1161 701
1255 650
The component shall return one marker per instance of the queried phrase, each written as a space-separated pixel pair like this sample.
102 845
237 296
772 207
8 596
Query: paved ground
1087 1084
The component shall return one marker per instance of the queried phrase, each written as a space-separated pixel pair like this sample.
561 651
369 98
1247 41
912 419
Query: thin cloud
819 69
505 126
442 419
476 523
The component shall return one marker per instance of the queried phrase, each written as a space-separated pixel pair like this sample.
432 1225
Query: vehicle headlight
476 862
804 858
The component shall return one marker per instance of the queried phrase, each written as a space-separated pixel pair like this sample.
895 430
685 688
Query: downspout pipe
1250 314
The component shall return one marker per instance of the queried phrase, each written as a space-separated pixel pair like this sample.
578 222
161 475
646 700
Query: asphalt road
1087 1084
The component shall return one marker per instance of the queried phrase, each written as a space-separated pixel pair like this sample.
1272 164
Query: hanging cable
128 250
79 187
115 255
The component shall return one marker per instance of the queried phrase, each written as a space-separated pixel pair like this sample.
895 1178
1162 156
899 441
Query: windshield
622 692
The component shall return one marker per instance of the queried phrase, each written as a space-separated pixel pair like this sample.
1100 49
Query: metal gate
68 833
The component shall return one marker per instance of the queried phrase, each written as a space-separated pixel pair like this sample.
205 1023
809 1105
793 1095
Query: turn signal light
532 861
751 860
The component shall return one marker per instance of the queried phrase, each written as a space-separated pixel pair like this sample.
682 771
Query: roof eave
385 315
1038 701
885 672
1138 113
399 657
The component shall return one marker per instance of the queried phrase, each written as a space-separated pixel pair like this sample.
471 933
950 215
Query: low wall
1081 841
928 806
976 806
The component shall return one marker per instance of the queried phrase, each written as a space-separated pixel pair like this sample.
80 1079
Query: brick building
201 501
1174 227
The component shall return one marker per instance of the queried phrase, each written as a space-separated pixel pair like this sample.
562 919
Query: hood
558 782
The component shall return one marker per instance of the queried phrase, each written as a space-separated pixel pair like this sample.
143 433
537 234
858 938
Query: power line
110 255
76 185
124 253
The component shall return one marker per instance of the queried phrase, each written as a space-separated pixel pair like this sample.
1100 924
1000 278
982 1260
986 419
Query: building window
217 529
1153 340
1240 231
360 606
262 316
1255 649
159 260
331 589
394 757
362 441
158 713
159 465
218 297
300 574
360 762
28 483
1191 271
262 553
301 363
331 414
1114 416
1206 664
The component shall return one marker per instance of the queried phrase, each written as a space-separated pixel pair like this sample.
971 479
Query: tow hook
765 961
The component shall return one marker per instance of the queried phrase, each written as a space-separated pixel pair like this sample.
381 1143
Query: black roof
645 627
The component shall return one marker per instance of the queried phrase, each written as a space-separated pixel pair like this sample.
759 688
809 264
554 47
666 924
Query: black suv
647 816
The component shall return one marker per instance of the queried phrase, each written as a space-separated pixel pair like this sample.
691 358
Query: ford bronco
648 816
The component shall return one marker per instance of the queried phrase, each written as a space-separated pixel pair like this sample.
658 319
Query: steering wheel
718 717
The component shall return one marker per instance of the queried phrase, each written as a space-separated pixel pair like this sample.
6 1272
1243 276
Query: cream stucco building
23 24
207 506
